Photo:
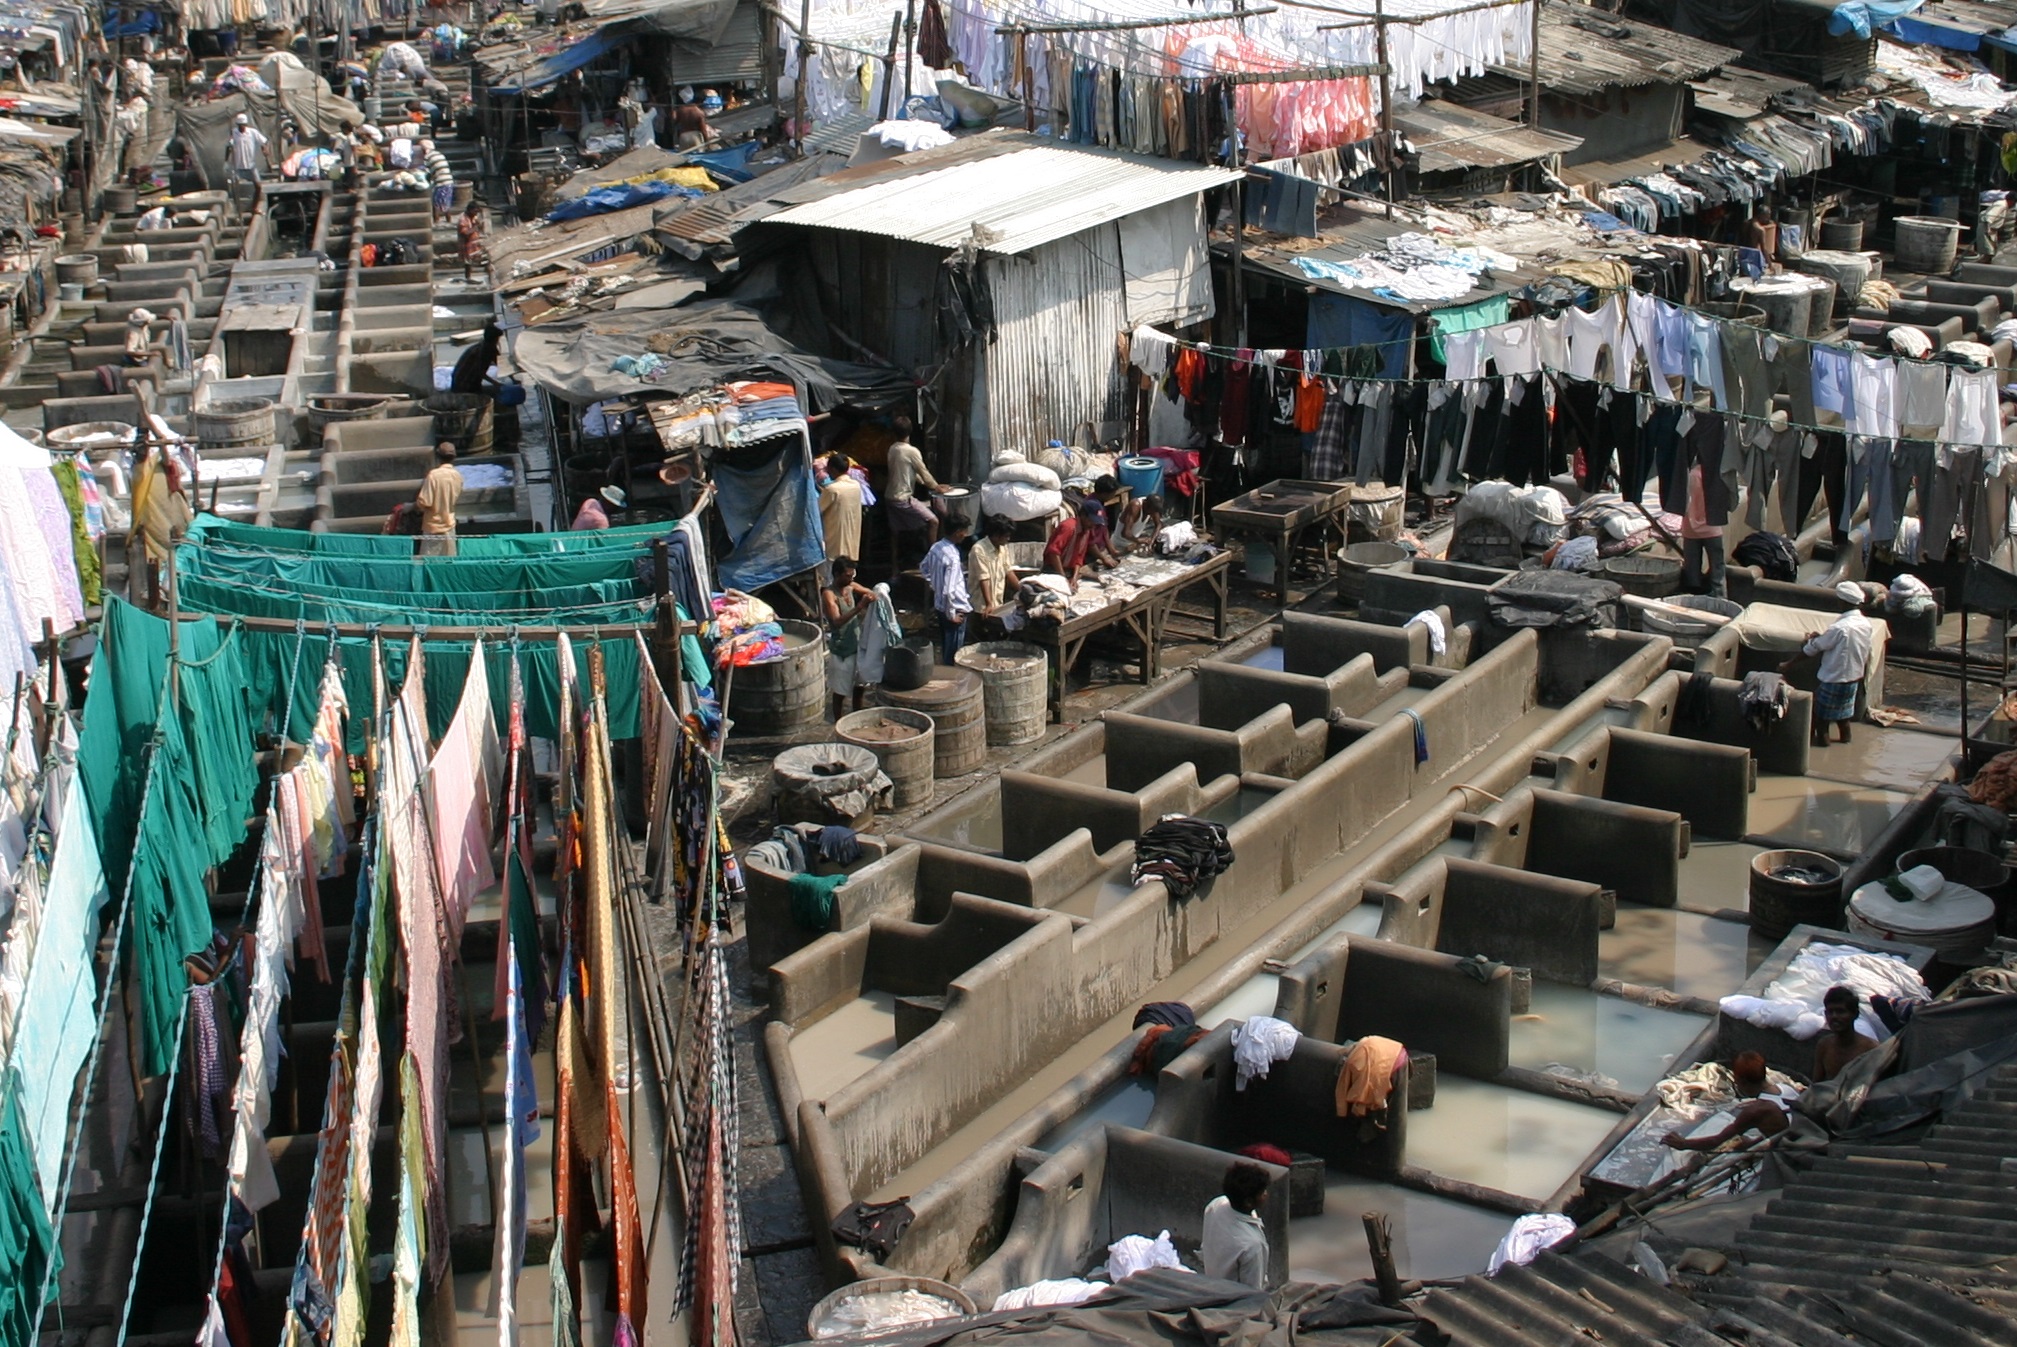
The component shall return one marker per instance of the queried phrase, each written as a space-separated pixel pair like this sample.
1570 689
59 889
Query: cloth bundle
1764 700
874 1227
1793 1001
1258 1043
1182 852
1771 553
1367 1076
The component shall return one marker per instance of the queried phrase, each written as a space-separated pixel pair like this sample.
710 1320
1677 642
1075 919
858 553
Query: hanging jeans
1823 474
1949 500
1702 566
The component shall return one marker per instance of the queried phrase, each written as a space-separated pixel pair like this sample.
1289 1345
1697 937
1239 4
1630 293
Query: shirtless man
1841 1045
1764 1114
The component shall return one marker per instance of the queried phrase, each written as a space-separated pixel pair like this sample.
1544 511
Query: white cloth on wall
1164 264
1260 1042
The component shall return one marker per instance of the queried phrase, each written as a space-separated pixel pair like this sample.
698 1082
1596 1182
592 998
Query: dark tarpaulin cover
693 26
709 343
1165 1308
1555 599
206 127
765 494
1344 320
1944 1054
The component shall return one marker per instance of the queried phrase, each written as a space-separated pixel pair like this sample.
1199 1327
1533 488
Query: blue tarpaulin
1340 320
730 164
549 69
771 513
1864 17
620 196
1927 33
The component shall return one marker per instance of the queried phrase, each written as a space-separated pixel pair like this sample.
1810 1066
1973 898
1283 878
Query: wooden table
1283 512
1146 616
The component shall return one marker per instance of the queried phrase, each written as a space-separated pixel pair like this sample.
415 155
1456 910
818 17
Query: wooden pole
1534 67
1379 1243
889 67
909 43
1386 97
798 85
1239 286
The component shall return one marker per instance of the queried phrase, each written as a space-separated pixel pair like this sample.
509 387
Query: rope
211 658
154 1171
293 671
76 1131
488 615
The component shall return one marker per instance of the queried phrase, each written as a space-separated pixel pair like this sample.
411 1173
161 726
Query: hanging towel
1421 734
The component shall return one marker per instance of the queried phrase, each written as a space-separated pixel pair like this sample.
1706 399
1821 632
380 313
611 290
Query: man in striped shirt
435 163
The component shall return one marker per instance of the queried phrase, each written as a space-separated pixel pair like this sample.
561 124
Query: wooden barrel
952 697
902 742
782 695
1778 905
235 423
1015 686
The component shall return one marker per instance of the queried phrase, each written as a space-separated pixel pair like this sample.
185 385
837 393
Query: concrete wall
1516 917
1141 750
1356 986
1118 1181
1294 1106
882 881
1061 981
1232 695
1312 643
1036 811
1396 593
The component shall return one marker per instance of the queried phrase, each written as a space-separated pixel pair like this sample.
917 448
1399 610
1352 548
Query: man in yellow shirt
840 509
439 491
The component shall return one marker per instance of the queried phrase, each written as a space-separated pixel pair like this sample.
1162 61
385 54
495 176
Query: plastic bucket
1141 475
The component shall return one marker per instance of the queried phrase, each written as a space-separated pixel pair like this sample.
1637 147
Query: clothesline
1258 357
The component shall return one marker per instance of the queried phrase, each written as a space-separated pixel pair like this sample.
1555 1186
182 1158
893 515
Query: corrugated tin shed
1452 138
1007 191
1585 50
1604 172
1741 94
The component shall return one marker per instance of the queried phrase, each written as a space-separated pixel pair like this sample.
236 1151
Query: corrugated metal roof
714 218
1742 94
1451 138
1604 172
1007 190
1585 50
1865 1243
